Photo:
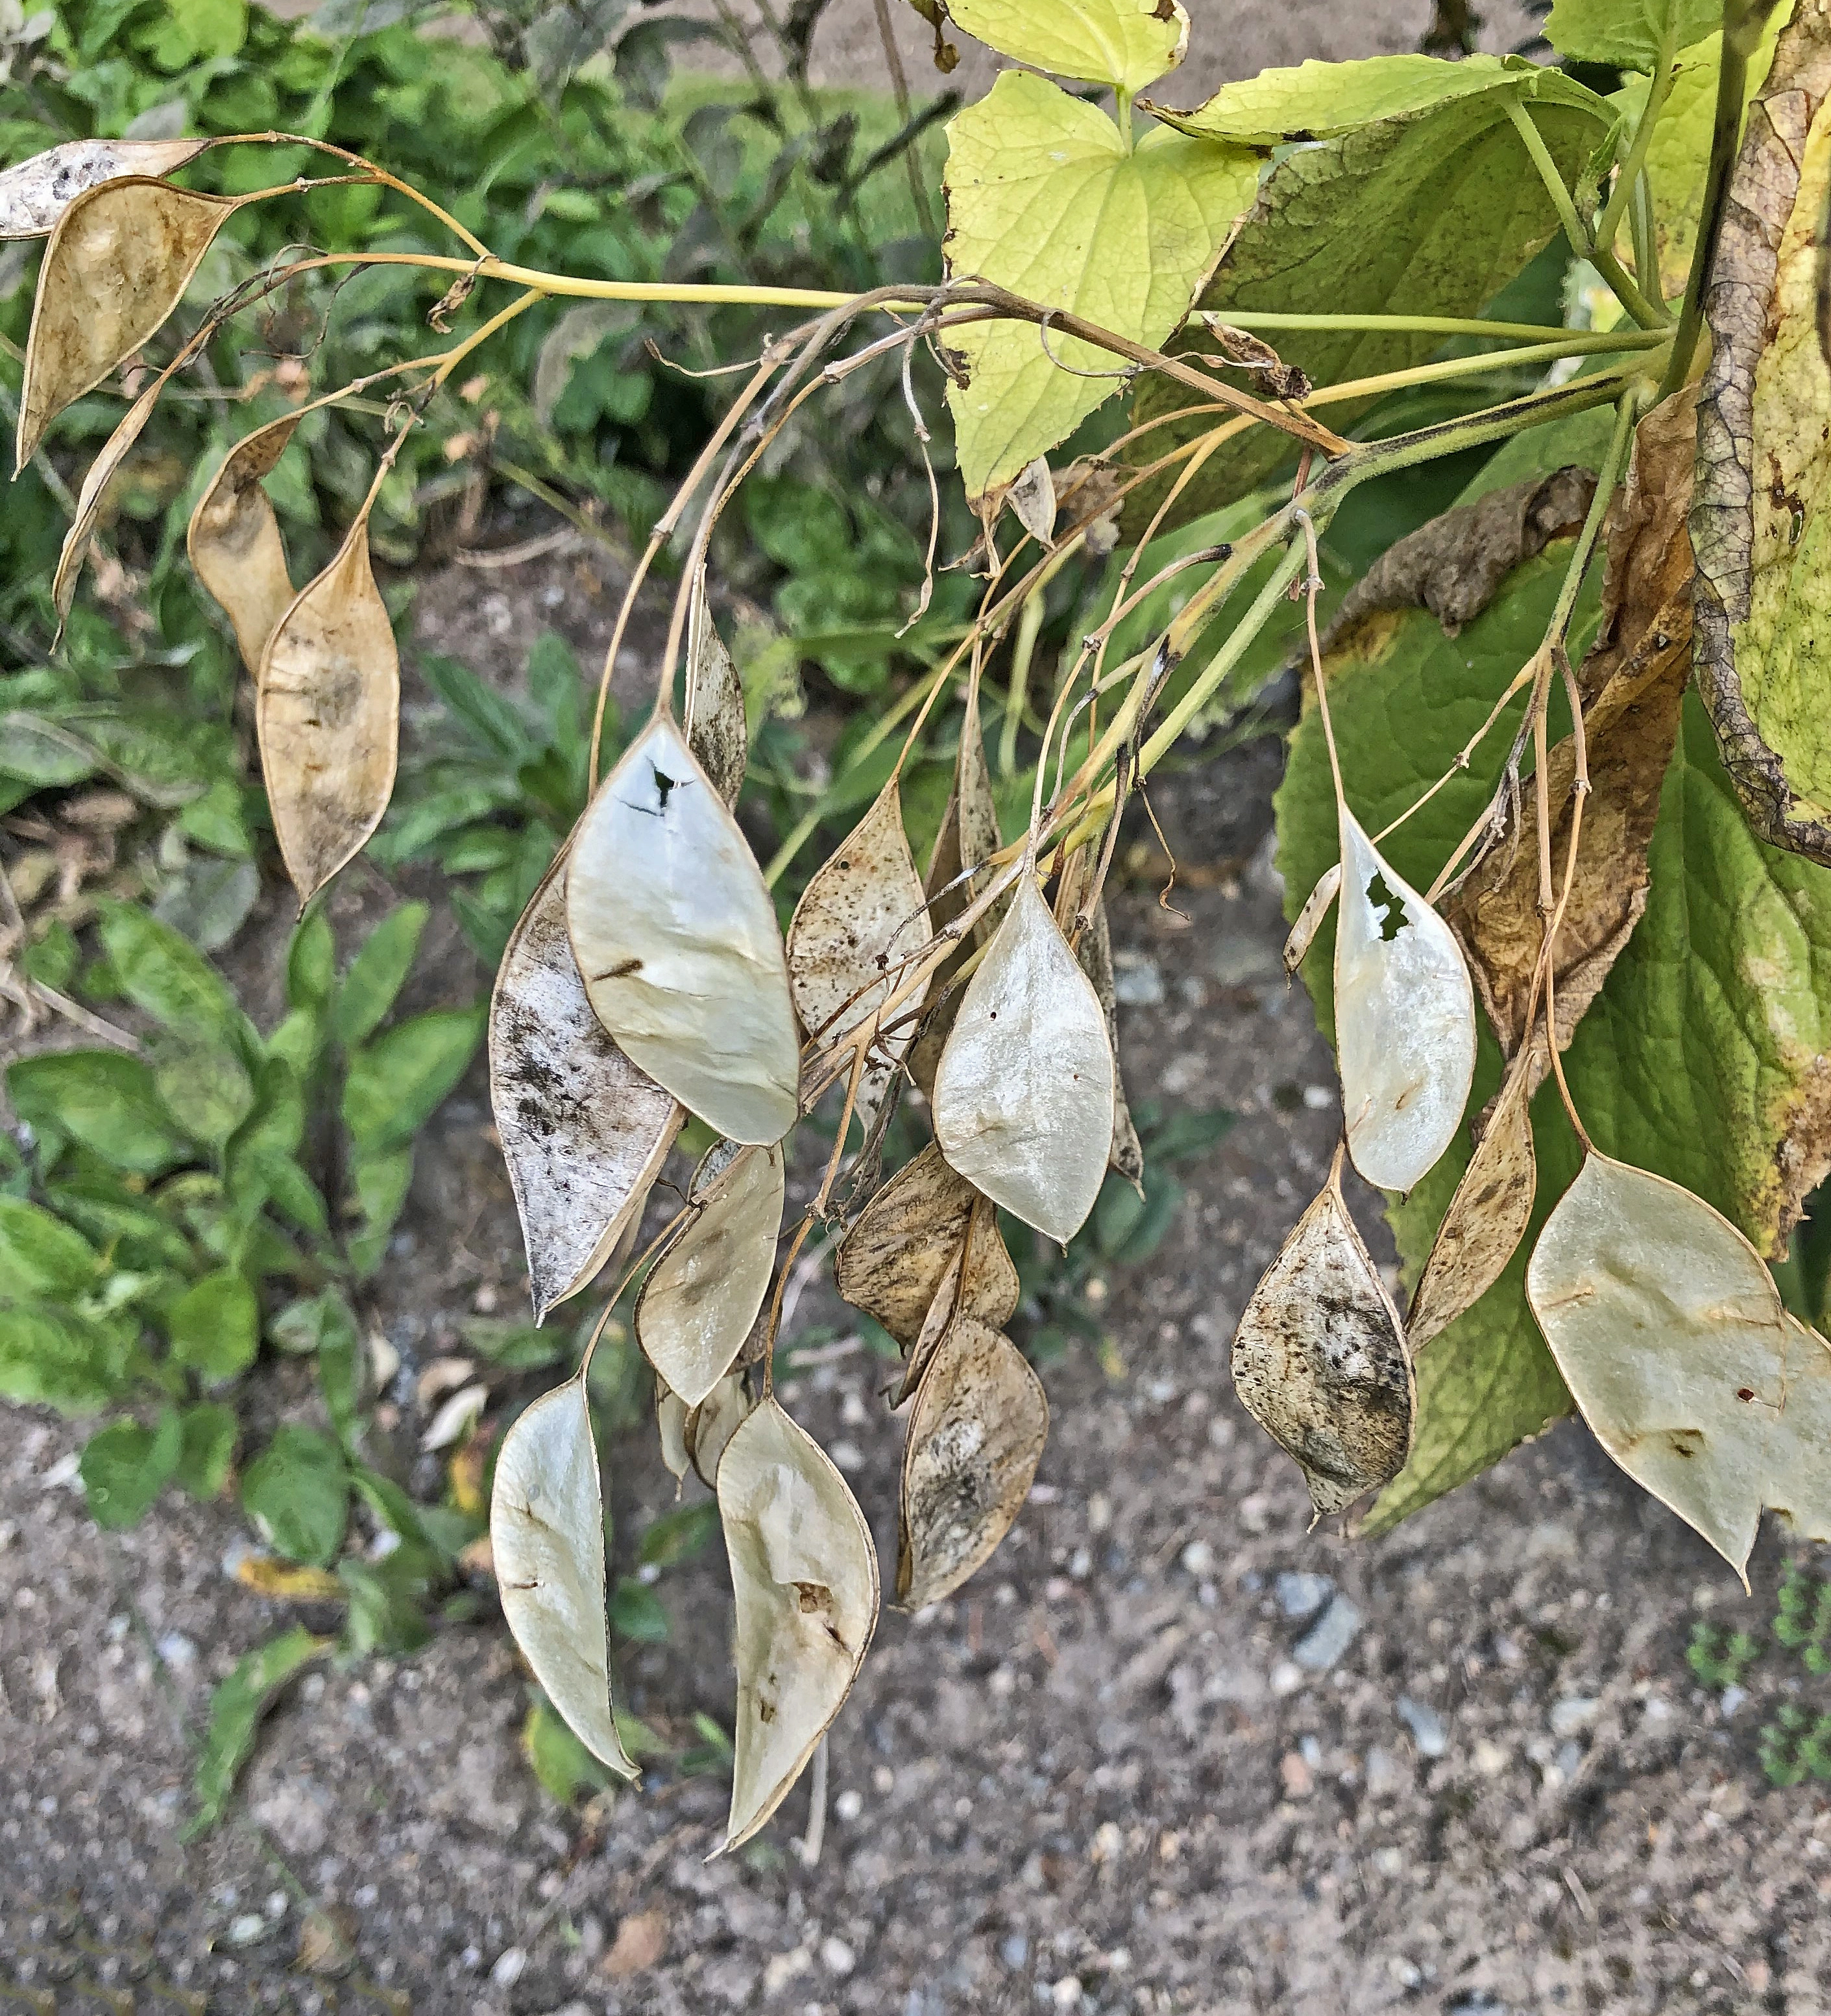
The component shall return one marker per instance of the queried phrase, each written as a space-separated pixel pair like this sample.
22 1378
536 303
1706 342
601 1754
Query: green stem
1742 27
1029 624
1259 324
1627 411
1665 70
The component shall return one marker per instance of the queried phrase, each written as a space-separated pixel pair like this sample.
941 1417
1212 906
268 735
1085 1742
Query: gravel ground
1170 1751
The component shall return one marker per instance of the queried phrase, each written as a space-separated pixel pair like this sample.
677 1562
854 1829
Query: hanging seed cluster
648 979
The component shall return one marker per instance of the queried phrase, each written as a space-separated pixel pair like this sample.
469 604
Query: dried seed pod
715 726
985 1290
81 534
583 1132
862 910
34 193
1404 1019
1024 1098
1488 1214
1317 905
234 540
976 1437
703 1295
1033 498
547 1539
671 1426
1095 954
118 263
892 1262
328 714
1677 1347
711 1424
677 939
805 1573
1319 1361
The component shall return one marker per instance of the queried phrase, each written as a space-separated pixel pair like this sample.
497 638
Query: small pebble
1066 1994
1014 1950
1732 1699
836 1956
848 1805
509 1967
1296 1775
1286 1678
1302 1595
1425 1725
1574 1714
1198 1558
248 1930
1329 1637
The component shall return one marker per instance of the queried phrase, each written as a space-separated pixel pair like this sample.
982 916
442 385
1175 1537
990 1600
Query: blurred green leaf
636 1613
562 1767
40 1255
106 1100
236 1709
377 973
124 1466
209 1431
396 1083
297 1493
205 1087
677 1536
51 1354
163 973
214 1326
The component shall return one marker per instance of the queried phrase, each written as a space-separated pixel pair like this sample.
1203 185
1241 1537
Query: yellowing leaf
892 1261
234 540
118 264
861 912
1675 1344
283 1582
1043 198
703 1295
677 939
327 710
711 1424
805 1573
976 1437
1761 522
1123 43
35 193
1404 1018
1023 1097
1319 1362
547 1536
583 1132
715 727
1488 1215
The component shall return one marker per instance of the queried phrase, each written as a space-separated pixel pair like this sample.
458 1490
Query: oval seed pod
547 1537
715 727
1024 1096
702 1296
670 1425
861 911
118 263
1319 1361
1674 1343
1488 1216
892 1261
327 711
976 1436
583 1132
677 939
234 540
1405 1019
34 193
805 1573
711 1424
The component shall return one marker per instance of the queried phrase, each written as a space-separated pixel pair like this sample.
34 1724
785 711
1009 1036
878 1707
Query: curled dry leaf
1405 1015
703 1295
583 1132
234 540
671 1426
892 1262
1024 1096
1319 1361
327 710
677 939
1127 1152
805 1573
861 911
118 263
1488 1214
35 193
716 731
1632 681
1760 518
1317 905
976 1437
711 1424
1676 1346
547 1537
